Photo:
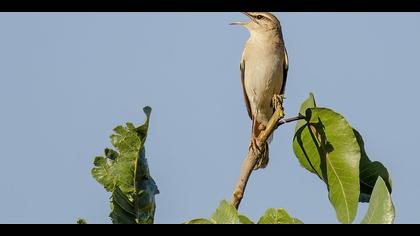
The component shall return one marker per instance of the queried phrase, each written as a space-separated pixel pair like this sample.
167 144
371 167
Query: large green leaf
369 172
327 146
225 214
125 173
278 216
381 209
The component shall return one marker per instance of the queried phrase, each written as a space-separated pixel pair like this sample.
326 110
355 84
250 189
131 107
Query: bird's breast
263 79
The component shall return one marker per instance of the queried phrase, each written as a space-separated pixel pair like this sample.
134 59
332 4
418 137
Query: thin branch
252 157
288 120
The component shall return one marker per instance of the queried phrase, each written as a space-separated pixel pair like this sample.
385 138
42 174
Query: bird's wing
285 70
248 106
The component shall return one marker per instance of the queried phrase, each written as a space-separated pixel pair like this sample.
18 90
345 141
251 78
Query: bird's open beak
242 22
239 23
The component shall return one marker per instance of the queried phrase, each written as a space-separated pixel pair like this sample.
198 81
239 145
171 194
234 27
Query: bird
264 66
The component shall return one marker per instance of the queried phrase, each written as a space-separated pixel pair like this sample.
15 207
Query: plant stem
288 120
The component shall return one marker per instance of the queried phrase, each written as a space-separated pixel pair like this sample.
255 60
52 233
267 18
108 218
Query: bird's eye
259 17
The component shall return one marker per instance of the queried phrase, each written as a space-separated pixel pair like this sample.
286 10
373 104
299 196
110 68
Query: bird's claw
256 145
278 101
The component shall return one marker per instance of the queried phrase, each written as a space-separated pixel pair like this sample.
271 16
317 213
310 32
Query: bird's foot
277 101
252 144
256 146
260 152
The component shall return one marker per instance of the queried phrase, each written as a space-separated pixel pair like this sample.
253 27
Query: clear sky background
67 79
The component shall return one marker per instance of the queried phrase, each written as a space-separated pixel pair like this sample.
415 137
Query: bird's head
260 22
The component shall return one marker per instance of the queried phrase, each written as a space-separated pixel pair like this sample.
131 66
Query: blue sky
67 79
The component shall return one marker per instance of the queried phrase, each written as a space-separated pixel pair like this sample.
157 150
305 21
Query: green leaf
381 209
199 222
125 140
225 214
111 154
308 103
81 221
278 216
300 129
102 172
123 209
142 130
125 173
326 146
369 172
147 188
245 220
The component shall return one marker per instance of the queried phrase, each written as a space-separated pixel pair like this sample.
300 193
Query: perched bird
263 67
